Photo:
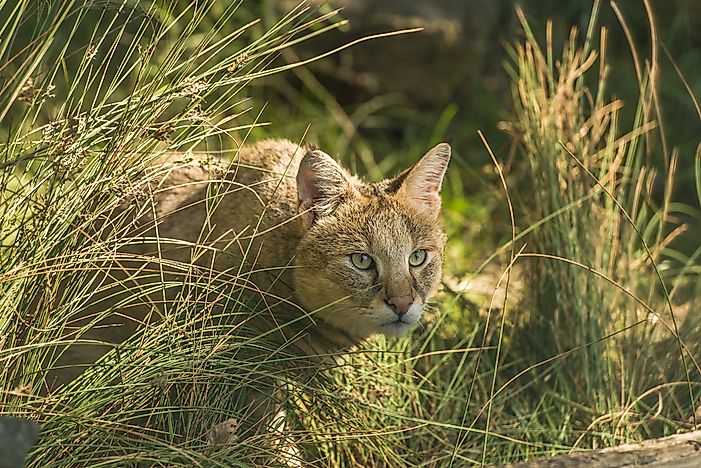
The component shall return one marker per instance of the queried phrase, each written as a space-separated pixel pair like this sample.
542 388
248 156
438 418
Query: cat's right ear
422 183
322 185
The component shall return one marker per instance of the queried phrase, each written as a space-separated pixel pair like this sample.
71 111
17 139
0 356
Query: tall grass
92 93
601 329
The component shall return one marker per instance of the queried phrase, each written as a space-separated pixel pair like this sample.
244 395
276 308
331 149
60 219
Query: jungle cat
365 257
287 223
361 259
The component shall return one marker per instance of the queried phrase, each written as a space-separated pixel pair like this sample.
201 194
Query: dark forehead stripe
385 187
392 186
370 190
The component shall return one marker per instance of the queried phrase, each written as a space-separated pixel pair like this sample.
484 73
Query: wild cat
289 223
362 259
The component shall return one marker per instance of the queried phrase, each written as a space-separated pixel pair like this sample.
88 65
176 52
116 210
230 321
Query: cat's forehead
386 221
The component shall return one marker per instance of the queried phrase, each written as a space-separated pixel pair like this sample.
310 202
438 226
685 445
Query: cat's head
371 254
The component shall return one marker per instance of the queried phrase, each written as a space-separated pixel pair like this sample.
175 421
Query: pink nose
400 304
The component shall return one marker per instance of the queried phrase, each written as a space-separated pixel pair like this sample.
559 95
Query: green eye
417 257
361 261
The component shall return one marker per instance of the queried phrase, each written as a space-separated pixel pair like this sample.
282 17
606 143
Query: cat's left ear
322 185
422 183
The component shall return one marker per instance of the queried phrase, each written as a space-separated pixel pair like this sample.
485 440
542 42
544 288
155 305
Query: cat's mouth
398 325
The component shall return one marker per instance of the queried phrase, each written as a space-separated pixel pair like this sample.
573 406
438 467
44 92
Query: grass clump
601 334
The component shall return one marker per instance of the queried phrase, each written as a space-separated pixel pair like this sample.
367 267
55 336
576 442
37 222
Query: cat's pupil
417 257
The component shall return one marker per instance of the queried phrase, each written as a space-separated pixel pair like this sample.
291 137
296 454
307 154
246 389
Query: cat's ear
422 183
322 184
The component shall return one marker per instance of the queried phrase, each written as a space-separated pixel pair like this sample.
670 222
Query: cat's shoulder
271 153
276 155
265 159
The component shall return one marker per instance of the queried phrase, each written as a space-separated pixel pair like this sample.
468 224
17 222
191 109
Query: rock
444 63
17 436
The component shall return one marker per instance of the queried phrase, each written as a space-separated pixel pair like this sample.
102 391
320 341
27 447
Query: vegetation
589 339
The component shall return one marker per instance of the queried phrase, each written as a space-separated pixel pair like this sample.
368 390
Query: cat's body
290 226
234 220
295 219
218 203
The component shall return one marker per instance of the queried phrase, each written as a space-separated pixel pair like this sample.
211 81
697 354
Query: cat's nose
400 304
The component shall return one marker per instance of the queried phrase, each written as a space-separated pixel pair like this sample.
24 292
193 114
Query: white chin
395 329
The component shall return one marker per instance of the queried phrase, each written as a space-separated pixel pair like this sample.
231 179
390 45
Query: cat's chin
395 329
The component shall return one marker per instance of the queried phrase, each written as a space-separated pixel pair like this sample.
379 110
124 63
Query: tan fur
292 217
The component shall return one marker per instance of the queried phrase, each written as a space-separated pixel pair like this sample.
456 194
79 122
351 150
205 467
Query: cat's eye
361 261
417 257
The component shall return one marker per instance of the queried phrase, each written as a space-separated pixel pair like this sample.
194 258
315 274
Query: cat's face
371 255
